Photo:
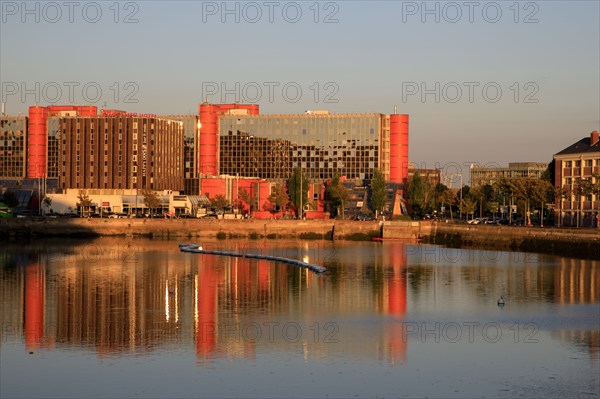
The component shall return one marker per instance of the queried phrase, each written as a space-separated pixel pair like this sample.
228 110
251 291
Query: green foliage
378 191
298 189
421 194
221 235
84 204
10 199
254 235
248 199
278 199
151 200
218 202
338 195
311 235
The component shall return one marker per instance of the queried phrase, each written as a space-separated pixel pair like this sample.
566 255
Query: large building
236 140
580 161
480 176
72 147
119 150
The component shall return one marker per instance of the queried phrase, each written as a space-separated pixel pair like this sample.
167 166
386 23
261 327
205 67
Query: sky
483 82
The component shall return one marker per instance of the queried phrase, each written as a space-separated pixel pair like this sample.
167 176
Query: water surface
137 318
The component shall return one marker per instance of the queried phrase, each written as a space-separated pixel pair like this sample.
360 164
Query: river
127 317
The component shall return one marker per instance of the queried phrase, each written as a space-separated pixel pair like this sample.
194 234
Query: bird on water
501 301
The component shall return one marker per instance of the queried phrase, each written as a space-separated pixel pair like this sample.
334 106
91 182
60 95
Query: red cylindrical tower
209 139
398 148
36 142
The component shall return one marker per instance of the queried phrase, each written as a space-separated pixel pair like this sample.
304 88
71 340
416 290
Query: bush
221 235
311 236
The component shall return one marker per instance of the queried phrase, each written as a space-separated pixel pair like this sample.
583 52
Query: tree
278 198
504 191
581 188
218 202
84 204
595 188
421 193
448 197
248 199
338 194
10 199
468 206
478 195
151 200
378 191
298 190
542 192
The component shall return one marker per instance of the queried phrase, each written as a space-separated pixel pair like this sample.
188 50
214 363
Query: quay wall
581 243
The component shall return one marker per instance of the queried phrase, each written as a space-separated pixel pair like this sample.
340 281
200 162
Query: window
568 164
568 181
578 164
588 163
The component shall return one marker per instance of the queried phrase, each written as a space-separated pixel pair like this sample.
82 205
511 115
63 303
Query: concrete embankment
210 228
580 243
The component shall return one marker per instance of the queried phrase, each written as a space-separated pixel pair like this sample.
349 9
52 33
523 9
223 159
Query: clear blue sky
544 56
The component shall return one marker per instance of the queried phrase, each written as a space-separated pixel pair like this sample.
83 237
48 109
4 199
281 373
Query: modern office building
13 147
480 176
236 140
580 161
119 150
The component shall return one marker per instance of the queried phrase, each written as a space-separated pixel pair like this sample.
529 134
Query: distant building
432 175
578 161
13 147
480 176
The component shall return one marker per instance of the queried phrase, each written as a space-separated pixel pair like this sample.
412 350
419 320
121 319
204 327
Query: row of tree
294 194
528 194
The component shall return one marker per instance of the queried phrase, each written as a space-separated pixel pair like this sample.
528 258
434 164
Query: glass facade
53 147
13 147
271 146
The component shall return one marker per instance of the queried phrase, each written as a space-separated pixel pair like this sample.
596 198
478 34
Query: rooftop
585 145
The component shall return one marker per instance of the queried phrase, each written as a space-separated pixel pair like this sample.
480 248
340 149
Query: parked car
210 216
518 222
187 216
492 221
363 217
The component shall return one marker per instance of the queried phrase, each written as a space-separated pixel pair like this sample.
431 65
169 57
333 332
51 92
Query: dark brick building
121 151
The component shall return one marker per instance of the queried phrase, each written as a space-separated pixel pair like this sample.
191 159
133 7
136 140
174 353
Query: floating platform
196 249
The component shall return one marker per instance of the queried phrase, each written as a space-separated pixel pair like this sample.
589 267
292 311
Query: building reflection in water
396 301
114 299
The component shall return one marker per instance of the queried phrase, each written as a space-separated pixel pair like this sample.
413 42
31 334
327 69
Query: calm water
137 318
